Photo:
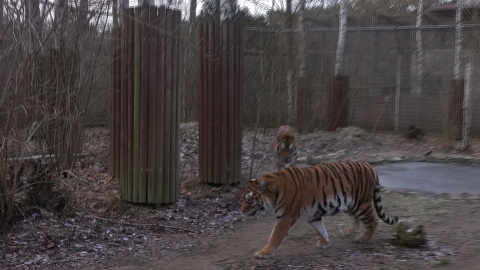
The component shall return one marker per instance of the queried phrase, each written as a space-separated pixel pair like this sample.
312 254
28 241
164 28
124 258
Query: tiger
285 147
310 193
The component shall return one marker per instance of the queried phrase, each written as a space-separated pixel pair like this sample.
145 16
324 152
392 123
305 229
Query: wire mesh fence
385 89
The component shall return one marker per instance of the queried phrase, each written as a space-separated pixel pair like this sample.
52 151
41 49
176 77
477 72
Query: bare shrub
53 64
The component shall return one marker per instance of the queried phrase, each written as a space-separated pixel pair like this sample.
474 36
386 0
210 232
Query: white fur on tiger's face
285 147
286 155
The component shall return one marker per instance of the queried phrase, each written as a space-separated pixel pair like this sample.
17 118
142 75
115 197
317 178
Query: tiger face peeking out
310 193
285 147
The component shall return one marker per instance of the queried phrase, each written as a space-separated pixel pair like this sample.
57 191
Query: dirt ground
205 230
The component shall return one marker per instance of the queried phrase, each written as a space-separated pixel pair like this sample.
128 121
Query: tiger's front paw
262 254
323 244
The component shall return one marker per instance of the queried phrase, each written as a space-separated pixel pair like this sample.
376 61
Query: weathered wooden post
221 100
146 105
115 96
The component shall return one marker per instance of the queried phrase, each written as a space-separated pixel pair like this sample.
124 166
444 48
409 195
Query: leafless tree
457 72
342 39
52 63
1 13
289 59
227 9
192 16
467 109
419 50
302 50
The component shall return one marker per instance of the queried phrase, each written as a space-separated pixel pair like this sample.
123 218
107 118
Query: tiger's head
255 197
285 147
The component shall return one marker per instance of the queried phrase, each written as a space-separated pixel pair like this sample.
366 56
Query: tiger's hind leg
350 230
366 215
324 241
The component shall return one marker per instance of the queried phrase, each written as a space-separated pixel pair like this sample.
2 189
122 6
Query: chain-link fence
386 91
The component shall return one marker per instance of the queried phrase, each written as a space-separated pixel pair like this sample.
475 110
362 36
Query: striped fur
313 192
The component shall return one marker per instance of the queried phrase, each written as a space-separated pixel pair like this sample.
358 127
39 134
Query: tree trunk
303 96
123 4
457 69
302 49
189 91
455 104
397 91
32 10
288 64
192 17
59 21
342 39
83 13
420 53
337 105
467 108
34 69
115 14
59 8
1 13
227 9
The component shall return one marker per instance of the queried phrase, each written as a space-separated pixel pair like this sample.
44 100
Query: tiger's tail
377 202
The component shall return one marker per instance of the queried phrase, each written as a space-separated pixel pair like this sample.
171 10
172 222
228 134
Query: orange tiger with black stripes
285 147
310 193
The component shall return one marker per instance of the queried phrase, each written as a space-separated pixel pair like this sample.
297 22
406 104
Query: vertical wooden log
152 108
202 32
176 130
239 97
136 102
217 96
118 104
129 105
222 93
150 105
229 100
160 105
113 104
143 110
454 110
337 102
123 86
210 104
168 106
397 91
220 101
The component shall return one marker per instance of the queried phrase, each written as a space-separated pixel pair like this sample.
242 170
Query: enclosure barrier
337 110
455 108
221 97
145 105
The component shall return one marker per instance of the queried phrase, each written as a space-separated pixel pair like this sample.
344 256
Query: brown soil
204 229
